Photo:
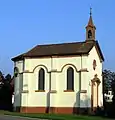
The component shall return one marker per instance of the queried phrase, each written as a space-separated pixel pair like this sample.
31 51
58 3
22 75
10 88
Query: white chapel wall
60 64
18 81
58 81
94 55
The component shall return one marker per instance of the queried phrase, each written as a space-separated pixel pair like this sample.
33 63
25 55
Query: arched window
89 34
16 72
41 79
70 78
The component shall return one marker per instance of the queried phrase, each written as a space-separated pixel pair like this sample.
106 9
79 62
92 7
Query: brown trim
39 90
83 91
58 110
53 91
83 70
57 56
64 56
47 56
69 64
36 57
27 72
40 66
97 82
25 91
68 90
97 93
54 70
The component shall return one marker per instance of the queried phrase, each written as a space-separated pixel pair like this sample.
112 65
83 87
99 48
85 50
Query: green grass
53 116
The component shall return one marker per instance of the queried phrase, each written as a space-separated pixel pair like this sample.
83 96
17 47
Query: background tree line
6 91
108 80
109 85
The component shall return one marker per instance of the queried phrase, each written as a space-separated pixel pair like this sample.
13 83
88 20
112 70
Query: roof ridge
60 43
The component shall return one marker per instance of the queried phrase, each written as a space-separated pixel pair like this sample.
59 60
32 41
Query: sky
27 23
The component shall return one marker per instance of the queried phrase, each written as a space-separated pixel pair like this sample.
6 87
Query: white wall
94 55
18 81
67 99
58 81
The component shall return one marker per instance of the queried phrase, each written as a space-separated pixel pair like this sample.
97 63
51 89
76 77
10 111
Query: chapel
60 78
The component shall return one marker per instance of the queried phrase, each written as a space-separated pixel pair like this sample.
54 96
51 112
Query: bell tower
90 28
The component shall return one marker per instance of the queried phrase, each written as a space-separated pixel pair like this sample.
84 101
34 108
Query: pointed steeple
90 23
90 28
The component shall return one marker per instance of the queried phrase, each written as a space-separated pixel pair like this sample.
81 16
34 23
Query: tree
6 91
8 78
108 79
1 76
109 84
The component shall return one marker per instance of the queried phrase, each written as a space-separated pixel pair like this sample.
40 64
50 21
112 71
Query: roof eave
101 54
40 56
17 58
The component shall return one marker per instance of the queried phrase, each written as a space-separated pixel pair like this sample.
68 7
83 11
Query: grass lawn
53 116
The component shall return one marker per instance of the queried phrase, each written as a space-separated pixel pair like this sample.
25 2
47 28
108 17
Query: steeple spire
90 11
90 28
90 23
